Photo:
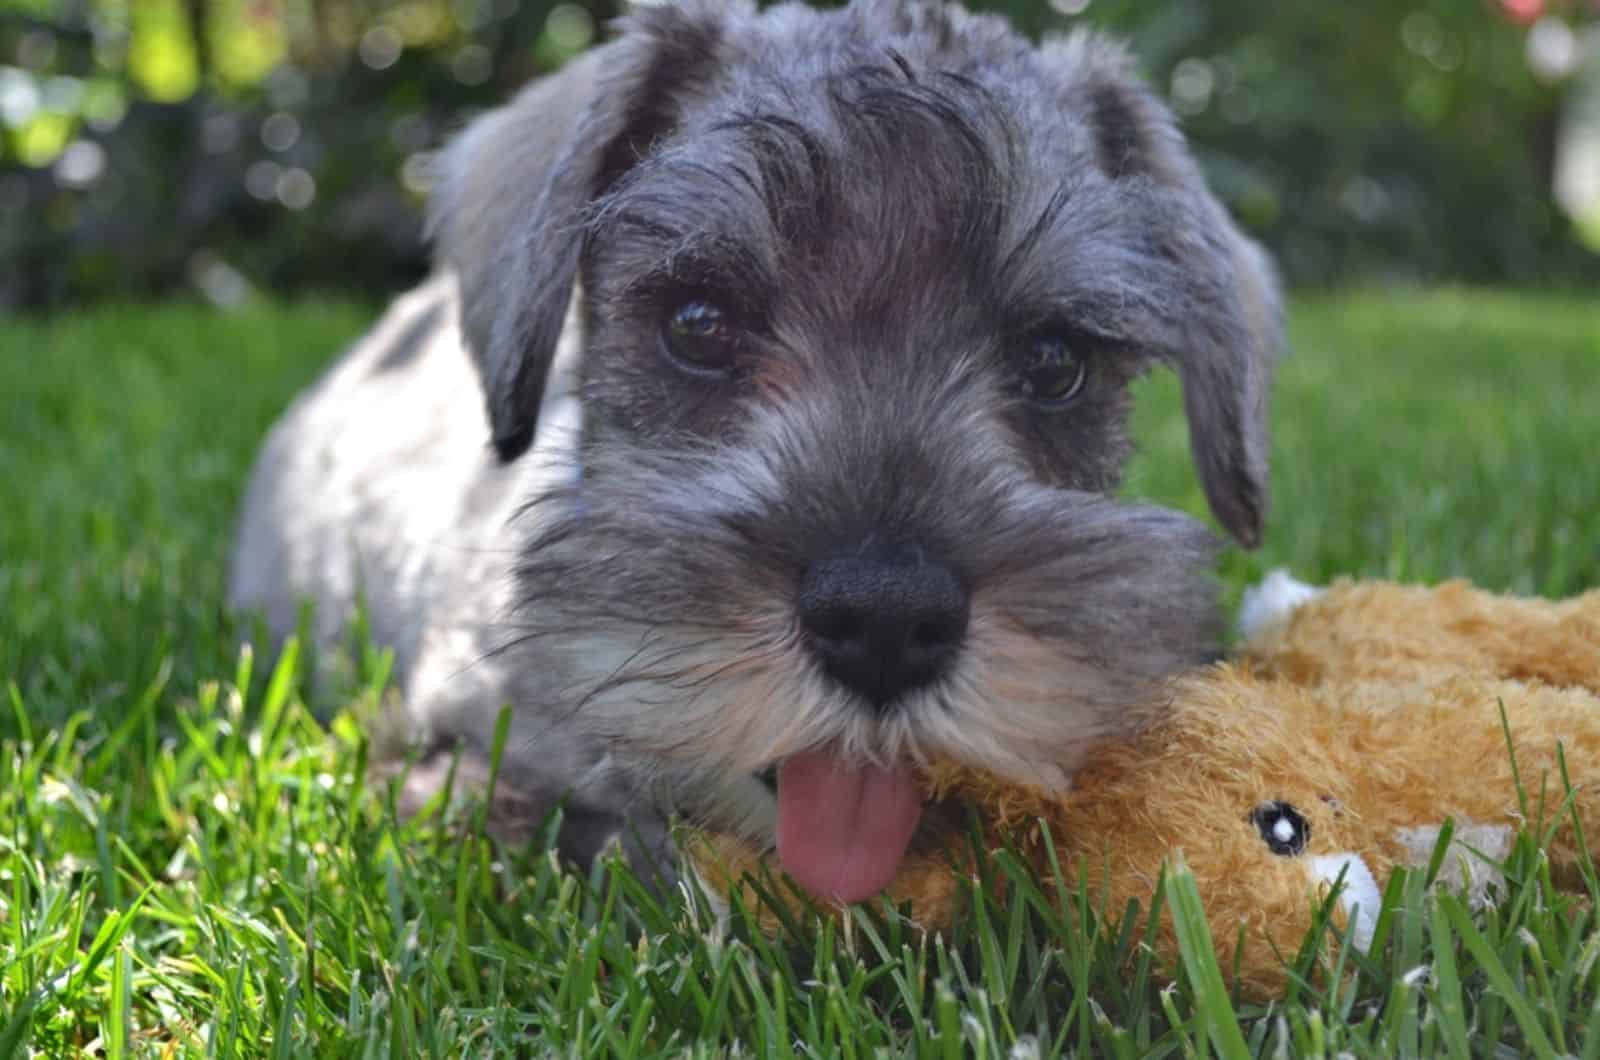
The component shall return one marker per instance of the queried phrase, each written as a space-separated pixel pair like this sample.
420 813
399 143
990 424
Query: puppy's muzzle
883 620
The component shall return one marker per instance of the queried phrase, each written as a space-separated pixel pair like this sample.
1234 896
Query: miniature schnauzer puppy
755 441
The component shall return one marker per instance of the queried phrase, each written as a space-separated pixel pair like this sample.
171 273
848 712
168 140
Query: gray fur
888 201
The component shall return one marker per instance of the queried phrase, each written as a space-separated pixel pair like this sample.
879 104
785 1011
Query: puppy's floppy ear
508 212
1226 379
1234 318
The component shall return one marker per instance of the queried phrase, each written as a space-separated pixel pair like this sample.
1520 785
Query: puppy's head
863 295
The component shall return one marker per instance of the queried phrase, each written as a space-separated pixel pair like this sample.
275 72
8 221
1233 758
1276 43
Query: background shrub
149 146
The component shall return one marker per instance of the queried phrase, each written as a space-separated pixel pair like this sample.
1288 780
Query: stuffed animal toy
1353 722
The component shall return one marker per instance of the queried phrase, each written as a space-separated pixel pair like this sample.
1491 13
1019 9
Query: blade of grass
1494 969
1199 957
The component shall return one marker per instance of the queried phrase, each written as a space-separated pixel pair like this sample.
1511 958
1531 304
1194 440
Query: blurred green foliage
1411 139
148 146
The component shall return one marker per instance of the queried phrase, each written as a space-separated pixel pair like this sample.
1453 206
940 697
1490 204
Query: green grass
190 863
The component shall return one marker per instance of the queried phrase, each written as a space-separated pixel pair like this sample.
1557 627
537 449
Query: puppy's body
817 472
376 489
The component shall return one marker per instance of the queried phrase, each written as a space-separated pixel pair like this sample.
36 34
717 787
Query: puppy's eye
699 338
1053 372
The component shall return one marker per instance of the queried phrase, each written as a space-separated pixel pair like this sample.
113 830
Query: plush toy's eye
1281 825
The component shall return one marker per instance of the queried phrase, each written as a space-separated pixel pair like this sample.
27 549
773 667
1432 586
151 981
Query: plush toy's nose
1359 895
883 621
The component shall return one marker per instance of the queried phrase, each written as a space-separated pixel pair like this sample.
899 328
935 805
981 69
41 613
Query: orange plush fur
1372 709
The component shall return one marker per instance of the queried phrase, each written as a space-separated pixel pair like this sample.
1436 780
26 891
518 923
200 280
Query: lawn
191 861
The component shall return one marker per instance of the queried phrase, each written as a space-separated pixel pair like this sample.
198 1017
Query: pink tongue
843 829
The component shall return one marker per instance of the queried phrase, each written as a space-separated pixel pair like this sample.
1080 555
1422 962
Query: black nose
884 620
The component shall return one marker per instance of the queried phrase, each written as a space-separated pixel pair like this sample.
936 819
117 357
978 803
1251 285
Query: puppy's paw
1272 601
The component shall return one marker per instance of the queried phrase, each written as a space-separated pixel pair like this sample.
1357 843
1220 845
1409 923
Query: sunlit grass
191 861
